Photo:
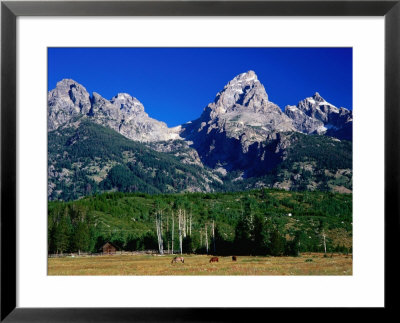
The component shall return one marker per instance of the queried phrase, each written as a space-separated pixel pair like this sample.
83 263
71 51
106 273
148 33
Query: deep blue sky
175 84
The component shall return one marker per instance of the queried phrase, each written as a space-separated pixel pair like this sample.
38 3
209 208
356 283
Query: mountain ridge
241 140
123 113
243 98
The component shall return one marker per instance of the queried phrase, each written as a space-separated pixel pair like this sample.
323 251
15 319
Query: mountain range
241 140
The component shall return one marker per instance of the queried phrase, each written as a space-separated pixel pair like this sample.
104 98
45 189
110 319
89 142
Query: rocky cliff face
316 115
68 100
123 113
241 115
246 140
231 128
126 115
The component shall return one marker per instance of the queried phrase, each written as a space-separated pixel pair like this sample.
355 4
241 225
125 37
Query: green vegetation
258 222
91 159
309 162
314 148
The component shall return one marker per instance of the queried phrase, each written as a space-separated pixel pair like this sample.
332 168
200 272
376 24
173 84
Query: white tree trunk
180 229
172 238
187 225
184 223
159 234
323 235
167 235
161 237
213 233
190 227
206 239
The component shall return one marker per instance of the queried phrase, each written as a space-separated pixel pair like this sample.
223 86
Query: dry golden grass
143 265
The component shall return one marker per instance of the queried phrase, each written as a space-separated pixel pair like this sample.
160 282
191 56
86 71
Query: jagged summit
317 97
247 77
241 110
241 131
240 116
68 100
66 82
316 115
70 90
244 102
66 85
122 96
123 113
244 94
127 103
97 97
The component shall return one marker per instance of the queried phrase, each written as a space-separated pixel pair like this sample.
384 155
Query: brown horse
214 259
176 259
234 258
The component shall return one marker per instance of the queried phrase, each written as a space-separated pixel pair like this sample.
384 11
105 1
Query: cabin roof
110 243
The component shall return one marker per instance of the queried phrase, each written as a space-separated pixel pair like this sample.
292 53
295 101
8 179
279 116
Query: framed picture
349 46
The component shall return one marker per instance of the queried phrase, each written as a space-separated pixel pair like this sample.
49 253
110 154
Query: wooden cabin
109 249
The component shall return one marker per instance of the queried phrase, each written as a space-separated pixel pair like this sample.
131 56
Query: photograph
200 161
199 148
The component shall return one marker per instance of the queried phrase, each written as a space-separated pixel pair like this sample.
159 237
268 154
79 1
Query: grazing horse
176 259
214 259
234 258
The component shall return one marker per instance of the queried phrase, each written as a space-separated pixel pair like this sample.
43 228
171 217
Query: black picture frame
10 10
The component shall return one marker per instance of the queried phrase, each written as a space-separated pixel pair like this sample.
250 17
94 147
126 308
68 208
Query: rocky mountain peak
67 100
316 115
123 113
71 89
243 94
240 116
318 98
127 103
242 106
247 78
96 98
244 84
123 96
65 82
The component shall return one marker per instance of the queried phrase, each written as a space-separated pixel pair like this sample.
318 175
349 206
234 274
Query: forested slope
254 222
87 158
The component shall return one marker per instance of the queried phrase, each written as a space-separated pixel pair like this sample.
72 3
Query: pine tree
261 235
244 233
61 233
277 246
81 237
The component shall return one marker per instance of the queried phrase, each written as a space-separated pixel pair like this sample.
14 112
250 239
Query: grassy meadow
144 265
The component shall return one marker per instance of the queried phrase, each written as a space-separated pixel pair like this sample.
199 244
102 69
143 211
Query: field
305 264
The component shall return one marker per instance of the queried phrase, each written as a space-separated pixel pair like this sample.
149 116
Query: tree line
181 224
